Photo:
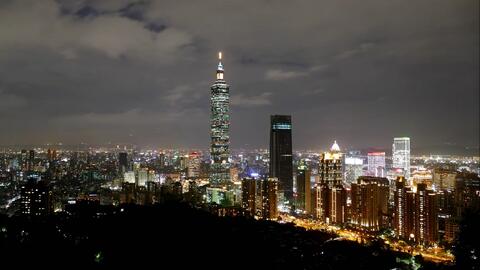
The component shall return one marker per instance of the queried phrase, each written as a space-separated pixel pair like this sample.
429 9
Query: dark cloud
360 72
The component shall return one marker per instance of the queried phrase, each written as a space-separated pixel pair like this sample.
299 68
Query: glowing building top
335 147
220 67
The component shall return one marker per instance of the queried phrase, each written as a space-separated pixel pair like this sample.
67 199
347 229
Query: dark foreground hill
175 236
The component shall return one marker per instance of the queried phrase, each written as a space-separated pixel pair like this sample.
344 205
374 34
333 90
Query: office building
401 155
219 130
376 164
193 167
353 169
281 163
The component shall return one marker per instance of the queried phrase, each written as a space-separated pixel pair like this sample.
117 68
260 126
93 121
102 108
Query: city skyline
119 134
77 85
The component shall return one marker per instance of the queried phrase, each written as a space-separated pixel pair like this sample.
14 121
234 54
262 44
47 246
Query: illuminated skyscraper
401 155
369 207
303 193
415 215
220 125
193 166
270 198
426 230
331 167
338 205
249 192
281 165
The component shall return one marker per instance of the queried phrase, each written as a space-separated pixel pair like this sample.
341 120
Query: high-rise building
270 198
330 204
330 170
400 213
353 169
330 195
281 166
416 217
249 192
444 179
24 160
401 155
467 192
123 162
31 160
193 166
35 198
219 129
426 230
338 205
369 202
322 202
376 164
161 161
303 192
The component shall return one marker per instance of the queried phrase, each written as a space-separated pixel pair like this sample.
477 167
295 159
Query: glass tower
401 155
219 129
281 165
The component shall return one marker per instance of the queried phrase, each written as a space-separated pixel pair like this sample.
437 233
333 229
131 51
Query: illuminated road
432 254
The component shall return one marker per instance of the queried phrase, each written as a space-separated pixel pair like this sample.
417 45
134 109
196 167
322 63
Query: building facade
303 189
401 155
330 170
219 129
369 203
270 198
281 162
36 199
249 192
376 164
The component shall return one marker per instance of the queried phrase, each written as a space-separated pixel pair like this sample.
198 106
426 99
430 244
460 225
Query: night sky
360 72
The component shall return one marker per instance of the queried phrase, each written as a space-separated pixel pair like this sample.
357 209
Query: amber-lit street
433 254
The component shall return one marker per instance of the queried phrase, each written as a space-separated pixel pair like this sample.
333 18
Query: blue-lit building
219 130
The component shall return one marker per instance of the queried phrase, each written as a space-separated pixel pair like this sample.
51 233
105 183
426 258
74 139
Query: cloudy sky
360 72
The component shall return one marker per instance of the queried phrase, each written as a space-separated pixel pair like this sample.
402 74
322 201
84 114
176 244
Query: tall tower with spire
219 129
331 167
